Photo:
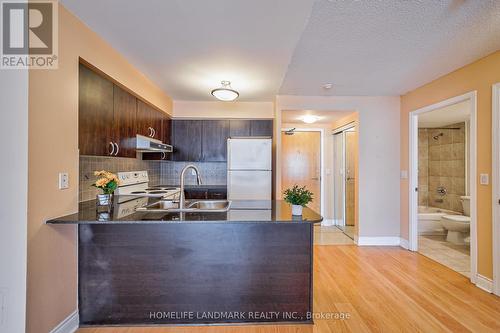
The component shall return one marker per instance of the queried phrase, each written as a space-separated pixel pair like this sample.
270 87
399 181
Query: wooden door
301 156
124 122
350 177
95 113
214 140
187 140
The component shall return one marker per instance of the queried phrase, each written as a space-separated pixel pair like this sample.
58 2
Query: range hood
150 145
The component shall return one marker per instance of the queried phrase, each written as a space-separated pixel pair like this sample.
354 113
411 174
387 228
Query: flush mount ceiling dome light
225 92
309 119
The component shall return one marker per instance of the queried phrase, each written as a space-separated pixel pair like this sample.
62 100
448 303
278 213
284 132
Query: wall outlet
63 180
484 179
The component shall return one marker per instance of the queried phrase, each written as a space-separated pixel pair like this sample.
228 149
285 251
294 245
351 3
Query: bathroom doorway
442 183
344 179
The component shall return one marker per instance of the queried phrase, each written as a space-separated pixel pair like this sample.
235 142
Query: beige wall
378 154
478 76
194 109
53 148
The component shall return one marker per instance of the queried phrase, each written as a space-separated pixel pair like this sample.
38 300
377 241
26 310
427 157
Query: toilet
458 226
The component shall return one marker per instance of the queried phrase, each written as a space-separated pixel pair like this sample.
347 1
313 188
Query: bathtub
429 220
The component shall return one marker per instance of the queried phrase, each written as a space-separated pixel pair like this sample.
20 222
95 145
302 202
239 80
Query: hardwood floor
382 289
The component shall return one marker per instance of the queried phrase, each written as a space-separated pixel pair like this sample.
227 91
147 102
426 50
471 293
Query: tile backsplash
160 172
89 164
212 173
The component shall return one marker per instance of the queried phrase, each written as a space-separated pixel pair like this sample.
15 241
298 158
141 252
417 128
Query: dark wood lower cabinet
201 273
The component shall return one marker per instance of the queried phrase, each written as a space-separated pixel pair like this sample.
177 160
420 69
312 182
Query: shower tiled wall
213 173
444 166
423 167
160 173
89 164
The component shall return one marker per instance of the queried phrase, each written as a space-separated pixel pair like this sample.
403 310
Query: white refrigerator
249 169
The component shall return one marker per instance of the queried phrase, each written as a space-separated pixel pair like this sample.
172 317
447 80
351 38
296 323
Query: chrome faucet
198 180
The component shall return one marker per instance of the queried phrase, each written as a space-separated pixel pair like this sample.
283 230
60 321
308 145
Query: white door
249 185
249 154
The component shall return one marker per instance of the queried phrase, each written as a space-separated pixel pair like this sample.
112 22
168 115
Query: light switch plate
484 179
63 180
404 174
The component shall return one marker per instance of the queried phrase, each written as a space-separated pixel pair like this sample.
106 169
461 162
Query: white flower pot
297 210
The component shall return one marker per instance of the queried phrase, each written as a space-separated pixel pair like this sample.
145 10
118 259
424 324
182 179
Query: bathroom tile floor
456 257
330 235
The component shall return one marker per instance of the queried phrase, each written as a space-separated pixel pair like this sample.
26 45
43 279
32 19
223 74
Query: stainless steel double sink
195 206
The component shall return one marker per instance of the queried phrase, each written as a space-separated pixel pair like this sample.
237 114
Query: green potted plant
298 197
107 182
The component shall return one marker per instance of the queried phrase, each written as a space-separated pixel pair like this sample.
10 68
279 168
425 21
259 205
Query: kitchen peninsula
245 265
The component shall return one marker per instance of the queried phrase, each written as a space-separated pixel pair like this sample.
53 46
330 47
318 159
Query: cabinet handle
117 149
154 132
112 148
150 131
163 155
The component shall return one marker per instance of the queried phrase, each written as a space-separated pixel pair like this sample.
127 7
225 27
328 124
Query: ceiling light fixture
309 119
225 92
328 86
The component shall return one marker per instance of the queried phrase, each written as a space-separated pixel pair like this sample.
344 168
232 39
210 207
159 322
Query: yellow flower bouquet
106 181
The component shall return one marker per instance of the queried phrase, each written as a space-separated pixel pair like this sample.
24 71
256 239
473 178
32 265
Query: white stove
136 184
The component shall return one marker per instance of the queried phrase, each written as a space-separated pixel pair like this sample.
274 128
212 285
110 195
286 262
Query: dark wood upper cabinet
239 127
166 137
149 120
95 113
186 135
124 122
166 130
261 128
214 136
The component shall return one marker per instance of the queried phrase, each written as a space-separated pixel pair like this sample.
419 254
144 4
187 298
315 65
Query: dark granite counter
240 212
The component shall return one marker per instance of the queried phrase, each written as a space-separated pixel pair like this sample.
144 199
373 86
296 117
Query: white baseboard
484 283
404 243
68 325
378 241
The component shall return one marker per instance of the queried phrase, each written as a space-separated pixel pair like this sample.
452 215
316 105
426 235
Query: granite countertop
240 212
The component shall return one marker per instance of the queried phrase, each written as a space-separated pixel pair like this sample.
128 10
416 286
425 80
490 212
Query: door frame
413 174
322 161
496 186
342 130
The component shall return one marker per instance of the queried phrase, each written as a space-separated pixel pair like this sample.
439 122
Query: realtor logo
29 34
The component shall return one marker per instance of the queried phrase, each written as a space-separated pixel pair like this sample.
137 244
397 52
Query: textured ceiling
389 47
188 46
363 47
